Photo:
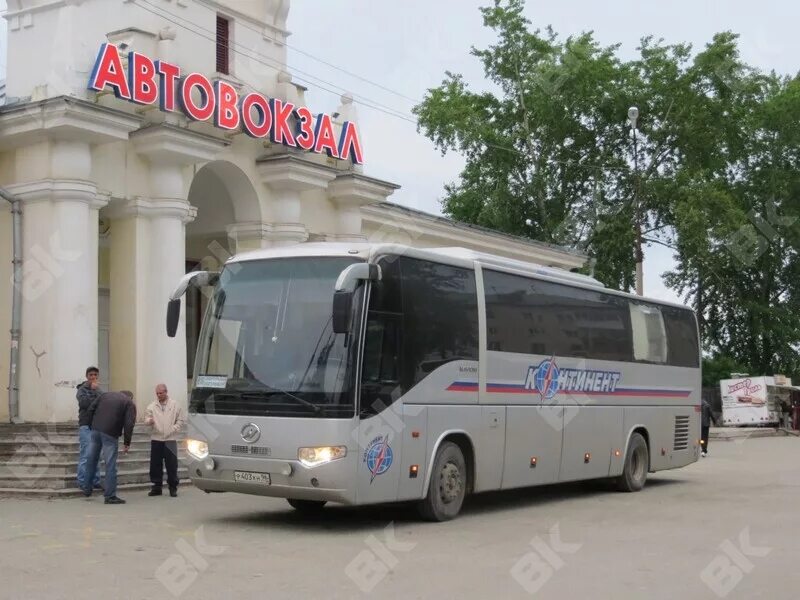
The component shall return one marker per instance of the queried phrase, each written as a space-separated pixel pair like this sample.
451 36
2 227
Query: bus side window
381 349
649 336
380 373
682 346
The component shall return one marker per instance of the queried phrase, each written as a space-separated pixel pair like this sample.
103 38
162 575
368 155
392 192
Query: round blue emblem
379 456
546 378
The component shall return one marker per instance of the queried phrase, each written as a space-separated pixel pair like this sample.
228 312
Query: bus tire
448 485
637 464
307 506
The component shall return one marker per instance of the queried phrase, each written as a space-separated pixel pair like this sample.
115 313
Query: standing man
87 393
167 420
705 425
111 415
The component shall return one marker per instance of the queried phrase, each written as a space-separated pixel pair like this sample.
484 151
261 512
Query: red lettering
204 110
305 132
227 114
325 140
169 75
281 132
142 78
108 71
253 128
349 144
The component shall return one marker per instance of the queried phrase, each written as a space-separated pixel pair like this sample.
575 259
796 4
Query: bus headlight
197 449
311 457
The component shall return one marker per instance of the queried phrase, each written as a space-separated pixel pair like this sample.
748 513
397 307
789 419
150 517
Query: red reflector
415 434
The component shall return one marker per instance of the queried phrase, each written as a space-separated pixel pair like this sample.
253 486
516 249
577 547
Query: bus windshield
268 347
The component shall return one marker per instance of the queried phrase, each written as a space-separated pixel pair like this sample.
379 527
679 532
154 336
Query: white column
168 213
248 236
287 177
168 150
349 192
59 312
167 356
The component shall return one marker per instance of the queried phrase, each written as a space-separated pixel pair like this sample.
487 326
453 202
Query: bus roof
456 256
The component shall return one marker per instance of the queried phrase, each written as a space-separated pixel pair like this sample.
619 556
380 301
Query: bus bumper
333 482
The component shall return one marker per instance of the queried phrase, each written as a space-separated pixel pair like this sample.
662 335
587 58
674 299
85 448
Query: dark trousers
163 453
704 437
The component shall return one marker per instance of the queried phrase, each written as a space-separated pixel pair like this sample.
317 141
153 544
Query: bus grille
681 433
256 450
254 405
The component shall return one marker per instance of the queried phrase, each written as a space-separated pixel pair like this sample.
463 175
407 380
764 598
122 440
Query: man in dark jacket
705 425
87 393
111 415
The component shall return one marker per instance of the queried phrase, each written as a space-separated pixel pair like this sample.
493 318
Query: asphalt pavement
726 527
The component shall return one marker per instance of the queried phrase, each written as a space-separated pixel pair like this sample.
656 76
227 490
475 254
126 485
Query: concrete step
27 454
45 437
43 466
66 481
68 460
66 446
54 428
75 492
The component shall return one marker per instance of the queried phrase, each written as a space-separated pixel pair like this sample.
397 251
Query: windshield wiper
272 390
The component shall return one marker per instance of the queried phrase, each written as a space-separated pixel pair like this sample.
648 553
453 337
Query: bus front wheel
448 485
637 464
306 506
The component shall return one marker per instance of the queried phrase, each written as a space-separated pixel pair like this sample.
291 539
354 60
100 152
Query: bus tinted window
380 375
530 316
682 347
440 322
421 316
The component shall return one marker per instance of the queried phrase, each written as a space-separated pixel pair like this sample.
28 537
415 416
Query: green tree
719 367
549 156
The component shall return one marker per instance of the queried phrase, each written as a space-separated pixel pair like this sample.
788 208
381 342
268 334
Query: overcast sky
407 46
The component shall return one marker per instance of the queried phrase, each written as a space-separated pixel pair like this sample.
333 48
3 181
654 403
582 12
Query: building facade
125 189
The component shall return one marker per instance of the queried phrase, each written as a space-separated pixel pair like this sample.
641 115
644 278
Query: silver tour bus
369 373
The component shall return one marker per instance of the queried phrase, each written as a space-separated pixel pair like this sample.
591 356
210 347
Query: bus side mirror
195 278
346 285
173 317
342 309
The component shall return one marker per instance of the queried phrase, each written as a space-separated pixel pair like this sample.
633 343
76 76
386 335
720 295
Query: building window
223 45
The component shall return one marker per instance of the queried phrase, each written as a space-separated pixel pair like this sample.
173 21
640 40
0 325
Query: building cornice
64 118
169 144
175 208
290 172
59 190
417 224
354 189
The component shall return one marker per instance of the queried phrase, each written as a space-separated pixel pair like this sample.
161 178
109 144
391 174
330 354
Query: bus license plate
250 477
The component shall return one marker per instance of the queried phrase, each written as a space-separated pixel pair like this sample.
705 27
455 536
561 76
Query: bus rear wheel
448 485
307 506
637 464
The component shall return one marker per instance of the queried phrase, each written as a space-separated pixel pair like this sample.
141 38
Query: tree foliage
714 168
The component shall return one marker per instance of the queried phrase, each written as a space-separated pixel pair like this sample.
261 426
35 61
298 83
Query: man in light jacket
167 419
